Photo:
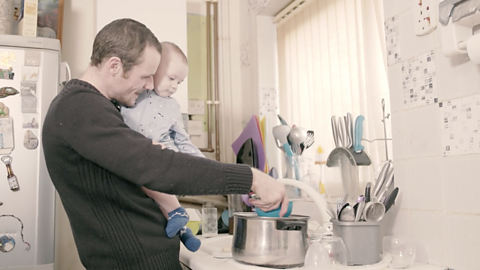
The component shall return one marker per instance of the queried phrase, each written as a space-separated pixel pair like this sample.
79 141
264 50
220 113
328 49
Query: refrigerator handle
65 73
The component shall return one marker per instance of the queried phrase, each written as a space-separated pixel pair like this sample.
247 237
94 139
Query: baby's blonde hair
169 48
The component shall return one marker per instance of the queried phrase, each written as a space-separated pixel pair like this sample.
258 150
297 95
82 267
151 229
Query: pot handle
283 225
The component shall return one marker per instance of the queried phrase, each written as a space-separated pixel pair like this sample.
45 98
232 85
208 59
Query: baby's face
169 76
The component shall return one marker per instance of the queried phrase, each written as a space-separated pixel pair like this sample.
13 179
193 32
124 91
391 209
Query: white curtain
332 61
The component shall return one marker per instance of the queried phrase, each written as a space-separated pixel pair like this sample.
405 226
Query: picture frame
50 19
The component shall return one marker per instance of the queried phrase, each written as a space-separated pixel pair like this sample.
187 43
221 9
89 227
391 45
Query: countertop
204 258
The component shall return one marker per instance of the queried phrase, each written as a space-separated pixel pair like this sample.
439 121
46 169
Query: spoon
347 213
280 133
339 211
373 211
296 137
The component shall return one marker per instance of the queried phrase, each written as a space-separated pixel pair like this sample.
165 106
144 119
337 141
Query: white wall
438 199
78 34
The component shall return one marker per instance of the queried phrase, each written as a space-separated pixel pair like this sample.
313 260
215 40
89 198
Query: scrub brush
321 160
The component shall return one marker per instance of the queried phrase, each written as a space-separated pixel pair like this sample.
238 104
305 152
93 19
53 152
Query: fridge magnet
4 110
30 73
6 136
29 104
7 243
8 91
7 73
30 120
30 141
28 88
7 58
32 58
27 248
11 177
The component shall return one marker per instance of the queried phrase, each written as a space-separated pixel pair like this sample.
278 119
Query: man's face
169 75
128 86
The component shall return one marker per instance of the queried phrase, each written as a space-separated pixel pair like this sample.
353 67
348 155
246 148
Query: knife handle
367 192
357 144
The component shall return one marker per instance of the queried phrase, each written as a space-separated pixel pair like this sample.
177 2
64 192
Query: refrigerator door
30 66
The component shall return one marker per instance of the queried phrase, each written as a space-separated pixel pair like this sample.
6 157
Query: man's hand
271 192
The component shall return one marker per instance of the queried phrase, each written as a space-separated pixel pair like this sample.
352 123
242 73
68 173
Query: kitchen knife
282 120
367 192
380 179
349 124
359 212
386 187
341 132
335 130
391 199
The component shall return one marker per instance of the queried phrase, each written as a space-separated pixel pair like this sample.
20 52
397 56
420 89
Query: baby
157 116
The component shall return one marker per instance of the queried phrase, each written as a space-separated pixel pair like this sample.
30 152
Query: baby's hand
157 143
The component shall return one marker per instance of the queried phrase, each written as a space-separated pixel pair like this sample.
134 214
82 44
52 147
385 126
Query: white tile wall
399 135
437 37
395 84
438 199
397 222
401 181
462 187
430 231
425 184
403 5
390 9
410 44
422 128
463 241
456 76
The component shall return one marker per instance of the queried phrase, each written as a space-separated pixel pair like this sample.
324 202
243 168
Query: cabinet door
166 18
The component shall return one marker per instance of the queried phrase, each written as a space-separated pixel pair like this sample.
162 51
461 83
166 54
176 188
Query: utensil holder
362 240
294 170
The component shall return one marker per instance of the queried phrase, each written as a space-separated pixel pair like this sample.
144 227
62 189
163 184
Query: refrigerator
29 80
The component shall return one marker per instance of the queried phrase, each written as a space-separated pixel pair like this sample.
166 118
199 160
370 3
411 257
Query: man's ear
115 66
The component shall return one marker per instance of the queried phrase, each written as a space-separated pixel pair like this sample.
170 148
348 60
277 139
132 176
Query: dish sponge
276 212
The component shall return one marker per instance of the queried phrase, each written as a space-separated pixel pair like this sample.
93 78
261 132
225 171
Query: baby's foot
177 219
191 242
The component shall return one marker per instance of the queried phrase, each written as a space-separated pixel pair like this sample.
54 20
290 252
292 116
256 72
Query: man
99 165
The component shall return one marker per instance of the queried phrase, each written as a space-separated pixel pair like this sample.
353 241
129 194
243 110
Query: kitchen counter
214 255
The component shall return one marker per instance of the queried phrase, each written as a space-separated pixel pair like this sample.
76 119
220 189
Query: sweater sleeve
94 128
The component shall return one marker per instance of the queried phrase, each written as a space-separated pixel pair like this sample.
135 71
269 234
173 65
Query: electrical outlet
425 16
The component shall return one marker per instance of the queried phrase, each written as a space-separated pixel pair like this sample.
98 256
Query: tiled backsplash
438 200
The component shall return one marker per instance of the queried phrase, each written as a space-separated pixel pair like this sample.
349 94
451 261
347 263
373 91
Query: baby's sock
177 219
191 242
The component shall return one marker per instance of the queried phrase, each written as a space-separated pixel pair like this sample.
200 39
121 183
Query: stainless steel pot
268 241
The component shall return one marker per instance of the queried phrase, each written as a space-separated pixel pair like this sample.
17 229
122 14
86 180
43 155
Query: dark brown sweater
98 165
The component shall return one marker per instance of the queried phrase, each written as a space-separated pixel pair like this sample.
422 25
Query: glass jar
209 220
